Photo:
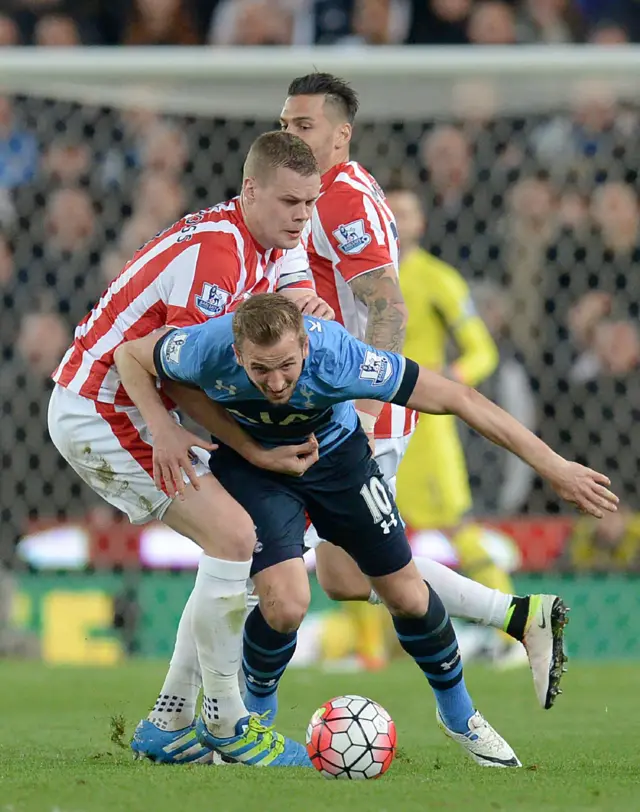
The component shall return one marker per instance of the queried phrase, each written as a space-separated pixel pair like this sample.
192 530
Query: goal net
526 160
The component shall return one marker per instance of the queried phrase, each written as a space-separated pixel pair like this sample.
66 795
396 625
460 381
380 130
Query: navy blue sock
266 654
432 643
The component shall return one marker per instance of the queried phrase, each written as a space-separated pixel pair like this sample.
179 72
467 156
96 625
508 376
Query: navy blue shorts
344 495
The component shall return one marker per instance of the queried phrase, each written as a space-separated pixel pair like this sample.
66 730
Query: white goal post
407 83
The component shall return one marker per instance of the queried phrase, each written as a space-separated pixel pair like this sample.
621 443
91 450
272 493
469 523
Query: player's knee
285 615
339 591
237 542
339 575
345 589
411 599
335 584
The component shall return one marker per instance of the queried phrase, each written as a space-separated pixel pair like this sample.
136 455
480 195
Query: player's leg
434 493
281 583
463 598
342 580
217 606
175 707
111 450
271 630
361 515
425 632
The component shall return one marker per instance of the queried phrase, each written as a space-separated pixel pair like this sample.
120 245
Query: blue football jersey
338 370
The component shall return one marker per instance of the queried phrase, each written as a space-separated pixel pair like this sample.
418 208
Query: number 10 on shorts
379 504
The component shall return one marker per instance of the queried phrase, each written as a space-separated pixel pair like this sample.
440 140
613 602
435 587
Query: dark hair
265 318
279 149
338 92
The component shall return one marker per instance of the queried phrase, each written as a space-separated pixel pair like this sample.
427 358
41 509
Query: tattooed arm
387 312
386 324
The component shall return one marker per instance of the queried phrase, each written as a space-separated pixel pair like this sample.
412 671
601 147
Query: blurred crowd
323 22
540 213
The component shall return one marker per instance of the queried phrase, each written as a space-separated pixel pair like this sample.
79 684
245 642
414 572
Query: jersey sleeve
478 353
451 295
294 271
349 228
200 282
355 370
191 354
176 356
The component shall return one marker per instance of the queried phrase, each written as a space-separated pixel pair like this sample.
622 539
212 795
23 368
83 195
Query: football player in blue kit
281 378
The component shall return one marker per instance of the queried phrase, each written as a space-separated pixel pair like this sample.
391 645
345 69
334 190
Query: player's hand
319 308
312 305
172 455
584 488
291 460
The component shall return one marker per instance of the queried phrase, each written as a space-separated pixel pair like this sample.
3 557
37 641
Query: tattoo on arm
387 312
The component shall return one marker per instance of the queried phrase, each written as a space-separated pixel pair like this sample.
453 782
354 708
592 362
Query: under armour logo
448 664
231 389
387 524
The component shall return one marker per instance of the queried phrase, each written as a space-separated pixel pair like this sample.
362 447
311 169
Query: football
351 737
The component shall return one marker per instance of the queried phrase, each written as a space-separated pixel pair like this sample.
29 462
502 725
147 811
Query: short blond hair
265 319
277 149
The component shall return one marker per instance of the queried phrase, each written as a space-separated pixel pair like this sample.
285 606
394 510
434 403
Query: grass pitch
61 746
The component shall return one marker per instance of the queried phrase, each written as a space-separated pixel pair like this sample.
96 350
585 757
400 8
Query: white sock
462 597
252 601
175 707
219 609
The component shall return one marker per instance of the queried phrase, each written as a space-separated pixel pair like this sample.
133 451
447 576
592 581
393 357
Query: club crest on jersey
213 300
352 238
375 368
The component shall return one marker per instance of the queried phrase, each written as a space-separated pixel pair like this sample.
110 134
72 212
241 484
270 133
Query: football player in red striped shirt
197 269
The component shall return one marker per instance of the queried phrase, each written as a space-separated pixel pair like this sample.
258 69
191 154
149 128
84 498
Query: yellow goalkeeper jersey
440 309
433 488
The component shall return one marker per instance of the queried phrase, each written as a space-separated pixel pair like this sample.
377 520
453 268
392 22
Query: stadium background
530 182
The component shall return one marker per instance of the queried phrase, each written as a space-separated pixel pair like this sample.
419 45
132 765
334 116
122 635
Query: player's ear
237 354
249 189
344 135
305 347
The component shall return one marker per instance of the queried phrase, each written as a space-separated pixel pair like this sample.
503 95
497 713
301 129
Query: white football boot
485 746
544 642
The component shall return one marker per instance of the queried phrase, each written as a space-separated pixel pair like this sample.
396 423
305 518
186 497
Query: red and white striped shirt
201 267
352 231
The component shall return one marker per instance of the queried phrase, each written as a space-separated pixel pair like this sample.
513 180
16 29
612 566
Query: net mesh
530 189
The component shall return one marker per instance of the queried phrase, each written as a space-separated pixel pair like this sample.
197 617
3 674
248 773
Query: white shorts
389 454
111 449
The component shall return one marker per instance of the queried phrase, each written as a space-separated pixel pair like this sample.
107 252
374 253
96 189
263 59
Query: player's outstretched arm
576 484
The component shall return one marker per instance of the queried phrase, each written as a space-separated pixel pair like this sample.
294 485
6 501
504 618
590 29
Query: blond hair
265 319
277 149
